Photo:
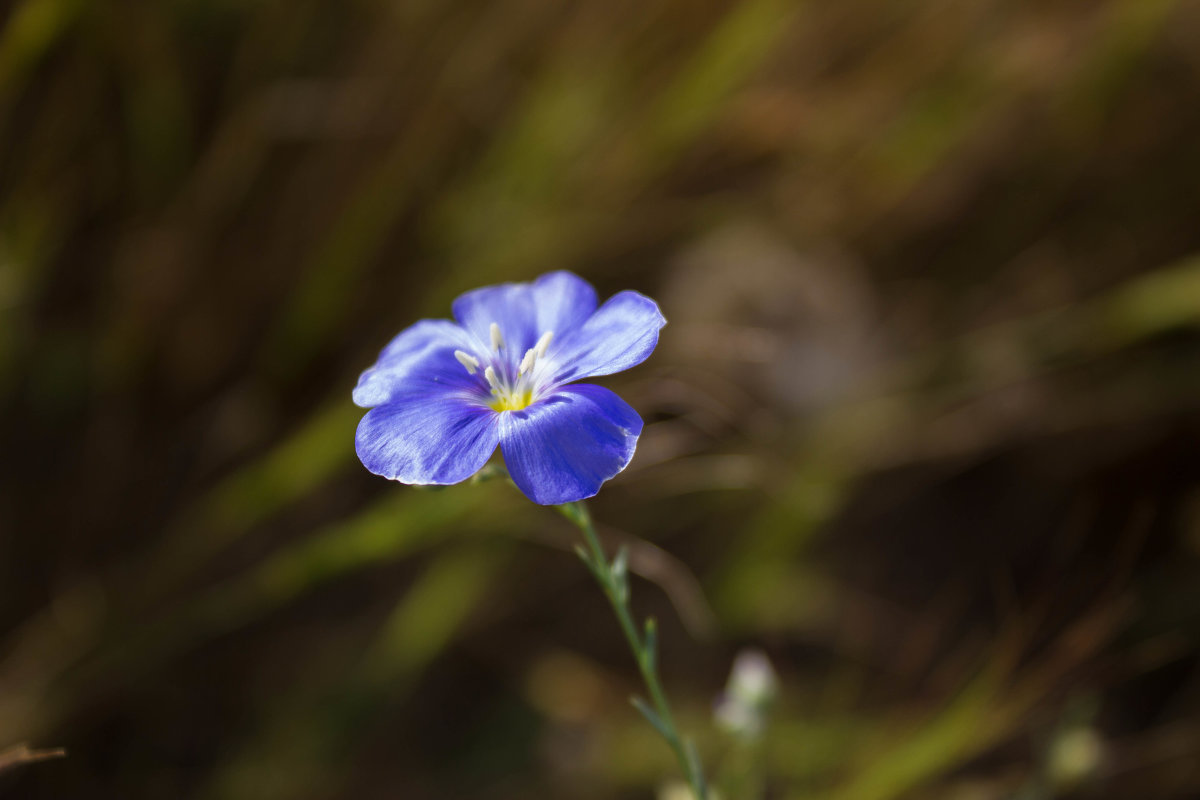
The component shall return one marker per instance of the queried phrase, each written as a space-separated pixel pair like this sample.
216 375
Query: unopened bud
752 688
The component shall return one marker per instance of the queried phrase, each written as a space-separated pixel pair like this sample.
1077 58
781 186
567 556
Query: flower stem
613 577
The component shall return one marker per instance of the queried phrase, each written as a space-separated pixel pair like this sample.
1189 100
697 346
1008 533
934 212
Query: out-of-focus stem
613 580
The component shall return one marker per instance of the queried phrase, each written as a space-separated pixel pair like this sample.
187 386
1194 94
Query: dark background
923 424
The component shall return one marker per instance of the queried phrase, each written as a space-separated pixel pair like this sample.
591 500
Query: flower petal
563 447
510 306
427 438
563 302
424 350
621 334
557 301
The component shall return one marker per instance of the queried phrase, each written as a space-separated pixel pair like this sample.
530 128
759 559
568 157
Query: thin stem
613 579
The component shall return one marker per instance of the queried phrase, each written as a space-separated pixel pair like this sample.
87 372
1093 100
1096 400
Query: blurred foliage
922 426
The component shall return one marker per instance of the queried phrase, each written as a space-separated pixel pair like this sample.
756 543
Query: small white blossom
749 694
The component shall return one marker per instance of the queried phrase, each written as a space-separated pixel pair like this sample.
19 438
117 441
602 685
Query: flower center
509 392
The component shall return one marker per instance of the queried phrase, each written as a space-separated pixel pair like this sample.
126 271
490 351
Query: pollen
512 386
512 402
508 395
470 362
527 362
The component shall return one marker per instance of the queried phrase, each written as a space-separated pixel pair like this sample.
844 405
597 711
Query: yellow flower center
508 394
512 400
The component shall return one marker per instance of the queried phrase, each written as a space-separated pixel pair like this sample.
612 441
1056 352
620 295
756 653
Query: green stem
613 579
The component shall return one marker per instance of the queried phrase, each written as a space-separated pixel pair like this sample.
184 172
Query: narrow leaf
651 716
586 558
620 564
620 574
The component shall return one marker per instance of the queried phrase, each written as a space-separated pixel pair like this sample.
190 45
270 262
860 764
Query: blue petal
558 302
621 334
510 306
427 438
563 301
423 352
563 447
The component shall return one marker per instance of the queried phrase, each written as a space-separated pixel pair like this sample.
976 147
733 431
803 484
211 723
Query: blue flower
444 395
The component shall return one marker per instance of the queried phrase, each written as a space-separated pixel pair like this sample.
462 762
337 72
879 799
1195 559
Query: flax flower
445 394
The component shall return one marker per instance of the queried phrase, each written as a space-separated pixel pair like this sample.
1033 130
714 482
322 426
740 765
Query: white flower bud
752 688
753 680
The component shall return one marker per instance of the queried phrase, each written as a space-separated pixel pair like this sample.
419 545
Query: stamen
544 343
490 375
497 339
528 361
468 361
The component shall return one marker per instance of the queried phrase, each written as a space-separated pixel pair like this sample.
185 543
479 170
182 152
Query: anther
490 375
497 339
528 361
468 361
543 343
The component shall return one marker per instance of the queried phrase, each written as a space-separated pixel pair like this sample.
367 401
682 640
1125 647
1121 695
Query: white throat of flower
509 392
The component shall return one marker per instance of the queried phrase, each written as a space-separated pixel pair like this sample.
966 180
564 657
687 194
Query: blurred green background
923 425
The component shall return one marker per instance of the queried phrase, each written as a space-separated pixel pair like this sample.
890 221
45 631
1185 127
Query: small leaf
651 716
620 564
586 558
620 573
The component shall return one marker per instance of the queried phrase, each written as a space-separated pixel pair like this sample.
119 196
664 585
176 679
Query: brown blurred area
923 425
